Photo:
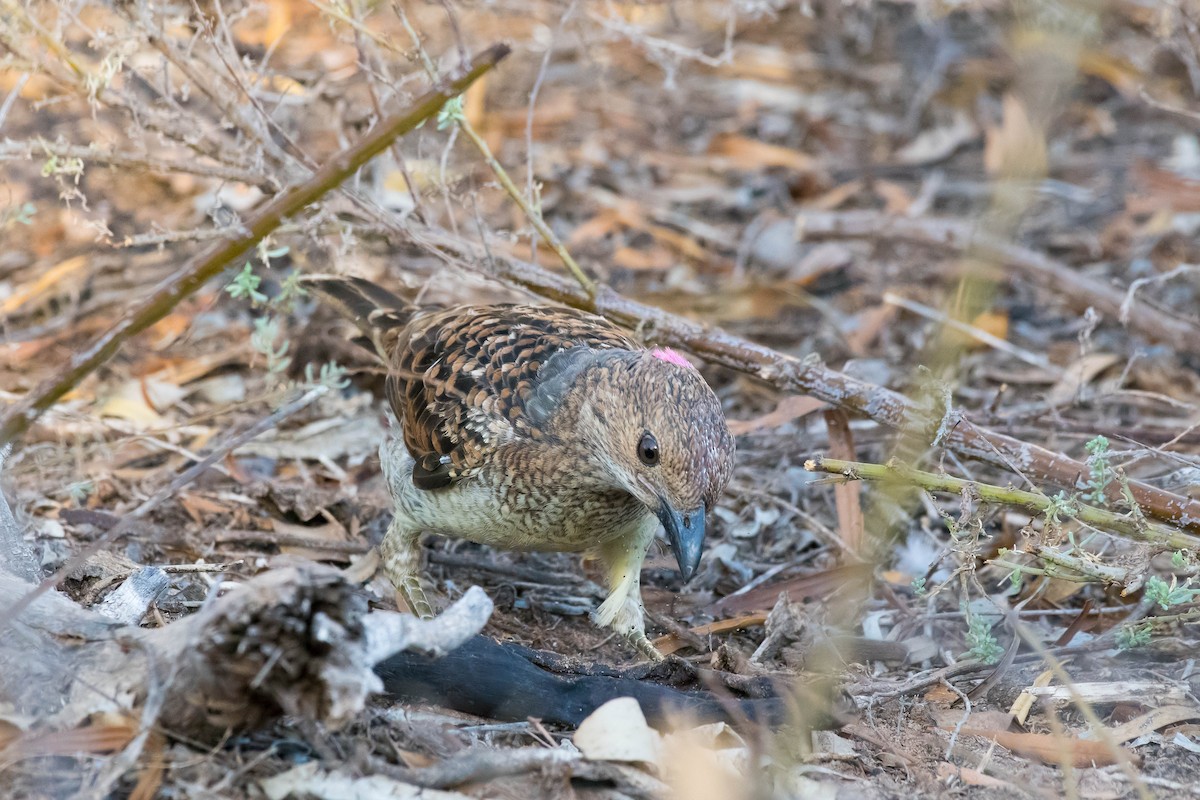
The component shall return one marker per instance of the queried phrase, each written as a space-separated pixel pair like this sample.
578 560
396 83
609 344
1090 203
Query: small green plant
266 333
79 491
1179 559
331 375
1135 509
1100 471
290 291
1061 506
266 252
17 215
268 329
63 167
1017 574
918 586
1133 636
99 79
451 113
983 645
245 286
1166 595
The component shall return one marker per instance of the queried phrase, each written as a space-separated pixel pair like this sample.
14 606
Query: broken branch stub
296 641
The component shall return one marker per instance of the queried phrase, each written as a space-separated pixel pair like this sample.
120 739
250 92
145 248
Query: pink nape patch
670 356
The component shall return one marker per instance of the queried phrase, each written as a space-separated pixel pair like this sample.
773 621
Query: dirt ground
987 208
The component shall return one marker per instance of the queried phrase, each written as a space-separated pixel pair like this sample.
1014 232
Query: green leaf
983 644
245 286
451 113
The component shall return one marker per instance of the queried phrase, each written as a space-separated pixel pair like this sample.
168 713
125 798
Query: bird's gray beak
685 532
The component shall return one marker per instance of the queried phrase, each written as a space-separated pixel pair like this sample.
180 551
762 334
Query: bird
539 428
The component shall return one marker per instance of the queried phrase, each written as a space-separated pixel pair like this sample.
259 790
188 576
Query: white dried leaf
617 731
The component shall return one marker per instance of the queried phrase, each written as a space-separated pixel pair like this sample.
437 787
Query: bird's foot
639 640
410 592
400 556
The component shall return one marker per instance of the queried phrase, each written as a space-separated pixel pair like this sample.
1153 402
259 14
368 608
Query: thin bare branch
1073 287
212 261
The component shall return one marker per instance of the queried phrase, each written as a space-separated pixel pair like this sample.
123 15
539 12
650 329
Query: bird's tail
378 313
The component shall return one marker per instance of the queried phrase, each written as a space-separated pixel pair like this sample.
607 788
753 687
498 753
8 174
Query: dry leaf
896 198
671 642
617 731
993 322
1162 190
150 776
168 329
9 733
698 767
655 258
869 325
105 733
810 585
1117 72
309 780
972 777
256 30
789 408
941 695
1051 749
752 155
1154 720
821 260
142 402
1078 375
938 143
200 508
832 199
43 284
554 109
606 222
847 495
1024 703
1016 149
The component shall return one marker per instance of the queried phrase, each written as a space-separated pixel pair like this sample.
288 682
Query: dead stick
811 377
533 215
207 264
1099 518
190 474
1074 287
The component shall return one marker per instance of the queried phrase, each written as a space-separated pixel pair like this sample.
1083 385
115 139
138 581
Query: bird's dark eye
648 450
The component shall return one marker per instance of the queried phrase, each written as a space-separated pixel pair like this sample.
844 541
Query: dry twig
1101 519
212 261
1072 286
809 376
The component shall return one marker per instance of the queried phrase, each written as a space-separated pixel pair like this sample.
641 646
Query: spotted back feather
464 381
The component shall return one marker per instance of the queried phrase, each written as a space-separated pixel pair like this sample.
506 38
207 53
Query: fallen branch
210 262
383 779
296 641
533 215
15 553
809 376
505 681
1123 525
1072 286
191 473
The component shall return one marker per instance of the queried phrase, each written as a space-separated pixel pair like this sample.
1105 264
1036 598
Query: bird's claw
639 640
413 595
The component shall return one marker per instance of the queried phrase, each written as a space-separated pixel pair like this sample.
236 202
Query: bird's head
659 433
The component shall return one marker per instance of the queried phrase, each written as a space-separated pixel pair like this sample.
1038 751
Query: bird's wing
379 314
464 381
